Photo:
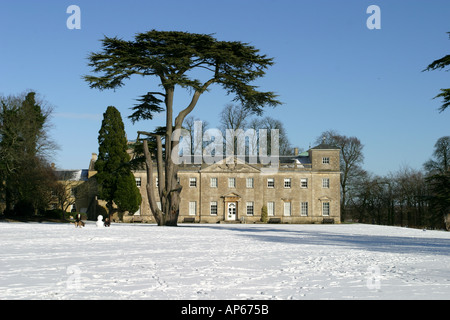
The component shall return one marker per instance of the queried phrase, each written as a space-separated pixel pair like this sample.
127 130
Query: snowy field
227 262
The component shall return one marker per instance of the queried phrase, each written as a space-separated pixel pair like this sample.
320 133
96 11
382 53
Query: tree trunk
169 190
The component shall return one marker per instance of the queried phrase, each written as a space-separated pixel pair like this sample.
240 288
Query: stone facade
304 188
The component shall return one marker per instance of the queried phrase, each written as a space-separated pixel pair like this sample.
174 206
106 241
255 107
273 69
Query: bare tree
351 160
189 125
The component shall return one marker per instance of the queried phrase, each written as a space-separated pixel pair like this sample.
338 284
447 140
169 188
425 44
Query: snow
222 261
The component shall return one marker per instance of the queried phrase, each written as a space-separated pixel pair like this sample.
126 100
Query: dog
79 224
107 222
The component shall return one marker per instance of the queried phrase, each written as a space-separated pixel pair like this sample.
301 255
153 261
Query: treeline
407 197
26 177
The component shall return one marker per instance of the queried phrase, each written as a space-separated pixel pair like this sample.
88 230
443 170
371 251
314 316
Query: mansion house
304 189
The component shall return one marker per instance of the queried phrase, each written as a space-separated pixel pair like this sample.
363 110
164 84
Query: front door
231 212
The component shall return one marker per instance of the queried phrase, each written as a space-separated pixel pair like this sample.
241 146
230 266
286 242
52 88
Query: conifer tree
112 165
445 93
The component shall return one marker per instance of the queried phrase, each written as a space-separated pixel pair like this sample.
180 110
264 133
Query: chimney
295 151
94 157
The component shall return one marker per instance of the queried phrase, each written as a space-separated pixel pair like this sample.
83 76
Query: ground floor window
192 208
270 209
250 208
213 207
326 208
304 209
287 208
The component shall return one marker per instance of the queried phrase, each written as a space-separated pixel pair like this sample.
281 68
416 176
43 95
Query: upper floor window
138 182
192 182
213 182
250 183
270 183
326 160
231 182
287 182
325 183
304 183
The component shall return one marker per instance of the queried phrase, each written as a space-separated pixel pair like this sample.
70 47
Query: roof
325 146
72 175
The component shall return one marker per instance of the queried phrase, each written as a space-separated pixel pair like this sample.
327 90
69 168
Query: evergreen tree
127 196
445 93
112 165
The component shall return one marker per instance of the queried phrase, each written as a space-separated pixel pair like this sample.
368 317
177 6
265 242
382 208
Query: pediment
231 164
233 195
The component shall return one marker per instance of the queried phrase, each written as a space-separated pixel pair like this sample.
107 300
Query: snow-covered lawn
57 261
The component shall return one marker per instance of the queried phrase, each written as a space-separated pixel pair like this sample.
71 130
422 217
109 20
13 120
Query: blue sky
331 71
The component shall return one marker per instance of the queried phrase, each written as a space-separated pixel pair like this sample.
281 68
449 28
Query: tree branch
180 118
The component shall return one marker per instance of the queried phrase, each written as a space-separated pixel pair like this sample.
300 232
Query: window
250 208
326 160
325 183
287 183
287 208
138 182
304 209
270 183
192 182
326 208
158 204
213 208
192 208
270 209
213 182
304 183
231 182
157 182
250 183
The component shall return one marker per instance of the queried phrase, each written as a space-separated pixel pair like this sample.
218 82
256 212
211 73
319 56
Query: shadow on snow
379 243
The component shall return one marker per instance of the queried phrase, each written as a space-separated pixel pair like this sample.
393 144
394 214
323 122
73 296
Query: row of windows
250 208
249 183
